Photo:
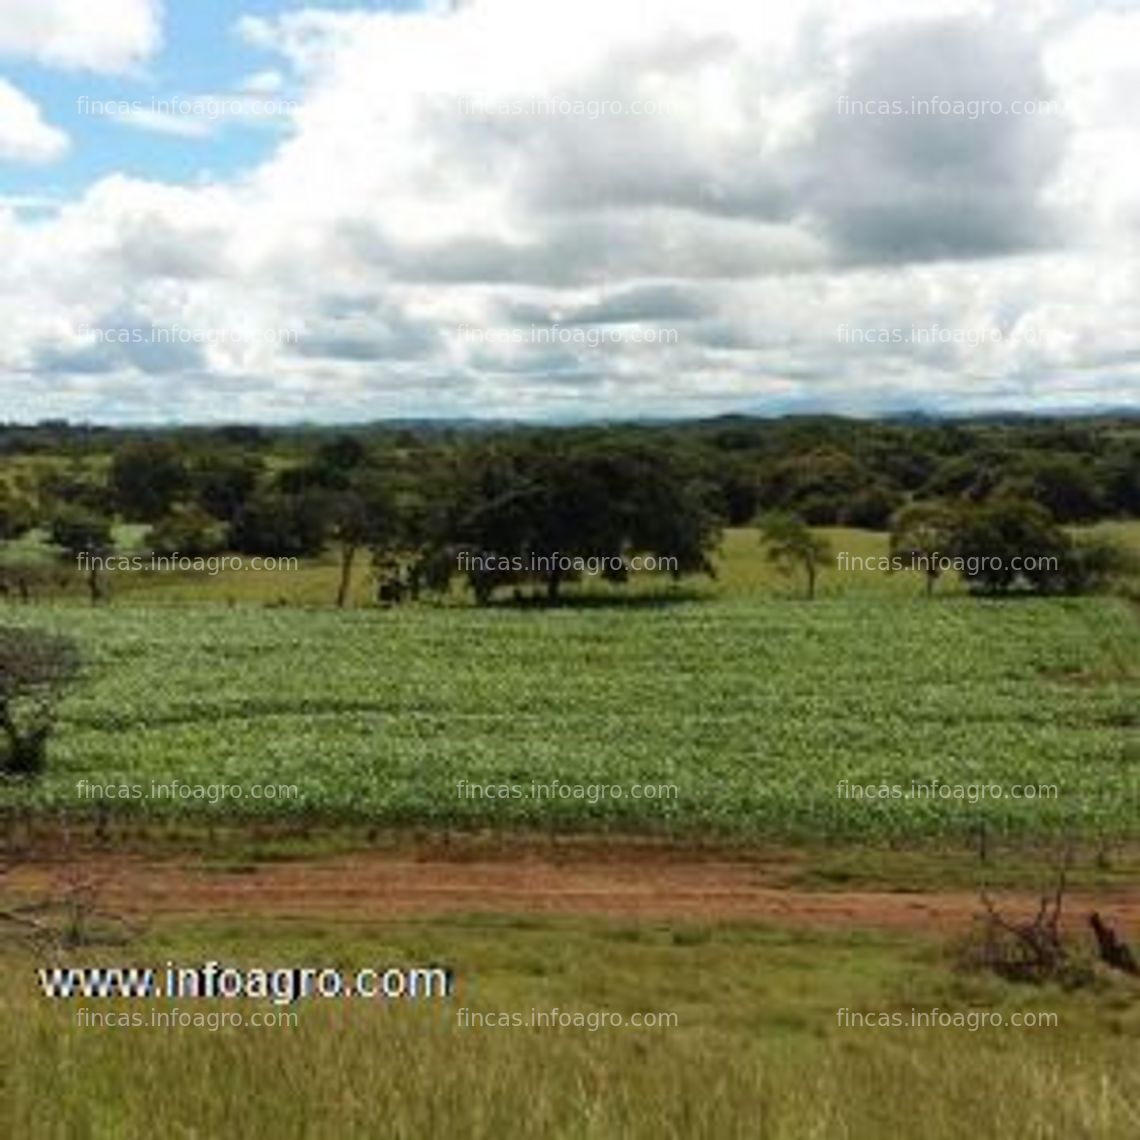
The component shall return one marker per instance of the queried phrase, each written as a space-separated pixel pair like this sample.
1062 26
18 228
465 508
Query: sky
264 210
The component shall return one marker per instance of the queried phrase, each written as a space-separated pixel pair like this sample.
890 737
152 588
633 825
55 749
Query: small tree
791 542
924 532
17 517
17 514
86 539
34 669
188 530
364 514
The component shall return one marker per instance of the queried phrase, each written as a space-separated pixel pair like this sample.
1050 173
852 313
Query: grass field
758 1046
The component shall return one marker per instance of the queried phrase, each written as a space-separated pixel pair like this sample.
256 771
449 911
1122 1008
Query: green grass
757 1050
753 709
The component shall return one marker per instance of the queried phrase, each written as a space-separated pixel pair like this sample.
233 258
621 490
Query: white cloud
309 39
201 116
263 82
91 35
165 123
24 136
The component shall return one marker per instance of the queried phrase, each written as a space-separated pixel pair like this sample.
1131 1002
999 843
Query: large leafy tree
276 525
548 506
1065 486
223 481
147 477
825 487
1007 542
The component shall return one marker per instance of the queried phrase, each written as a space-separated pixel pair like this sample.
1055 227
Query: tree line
413 499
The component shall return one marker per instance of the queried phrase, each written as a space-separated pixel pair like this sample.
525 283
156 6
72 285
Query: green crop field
751 711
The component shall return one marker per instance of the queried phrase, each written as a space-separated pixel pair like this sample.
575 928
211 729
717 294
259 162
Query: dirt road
650 886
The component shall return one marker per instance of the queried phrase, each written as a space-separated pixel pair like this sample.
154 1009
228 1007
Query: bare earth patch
645 884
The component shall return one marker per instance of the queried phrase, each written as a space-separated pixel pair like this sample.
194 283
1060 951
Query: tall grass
378 1076
757 1049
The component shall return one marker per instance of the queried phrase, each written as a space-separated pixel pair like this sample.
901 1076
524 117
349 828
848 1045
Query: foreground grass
757 1049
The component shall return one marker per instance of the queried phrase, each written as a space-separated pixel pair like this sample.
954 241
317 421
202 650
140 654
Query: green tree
364 514
280 526
85 538
791 542
1096 562
17 513
147 477
923 534
35 667
1009 542
1119 475
71 487
1065 486
223 482
529 511
188 530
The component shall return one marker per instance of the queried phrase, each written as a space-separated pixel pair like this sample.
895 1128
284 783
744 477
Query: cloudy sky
228 210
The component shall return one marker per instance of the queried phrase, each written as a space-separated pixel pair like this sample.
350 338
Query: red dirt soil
649 886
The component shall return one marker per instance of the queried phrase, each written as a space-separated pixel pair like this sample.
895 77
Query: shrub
34 669
186 530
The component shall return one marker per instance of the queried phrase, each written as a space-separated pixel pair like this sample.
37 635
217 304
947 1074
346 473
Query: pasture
760 1045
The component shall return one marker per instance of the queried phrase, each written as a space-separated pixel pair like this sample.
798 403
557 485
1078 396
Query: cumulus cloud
901 175
24 136
765 187
107 36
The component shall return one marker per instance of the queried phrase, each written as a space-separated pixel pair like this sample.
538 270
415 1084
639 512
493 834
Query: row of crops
751 711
